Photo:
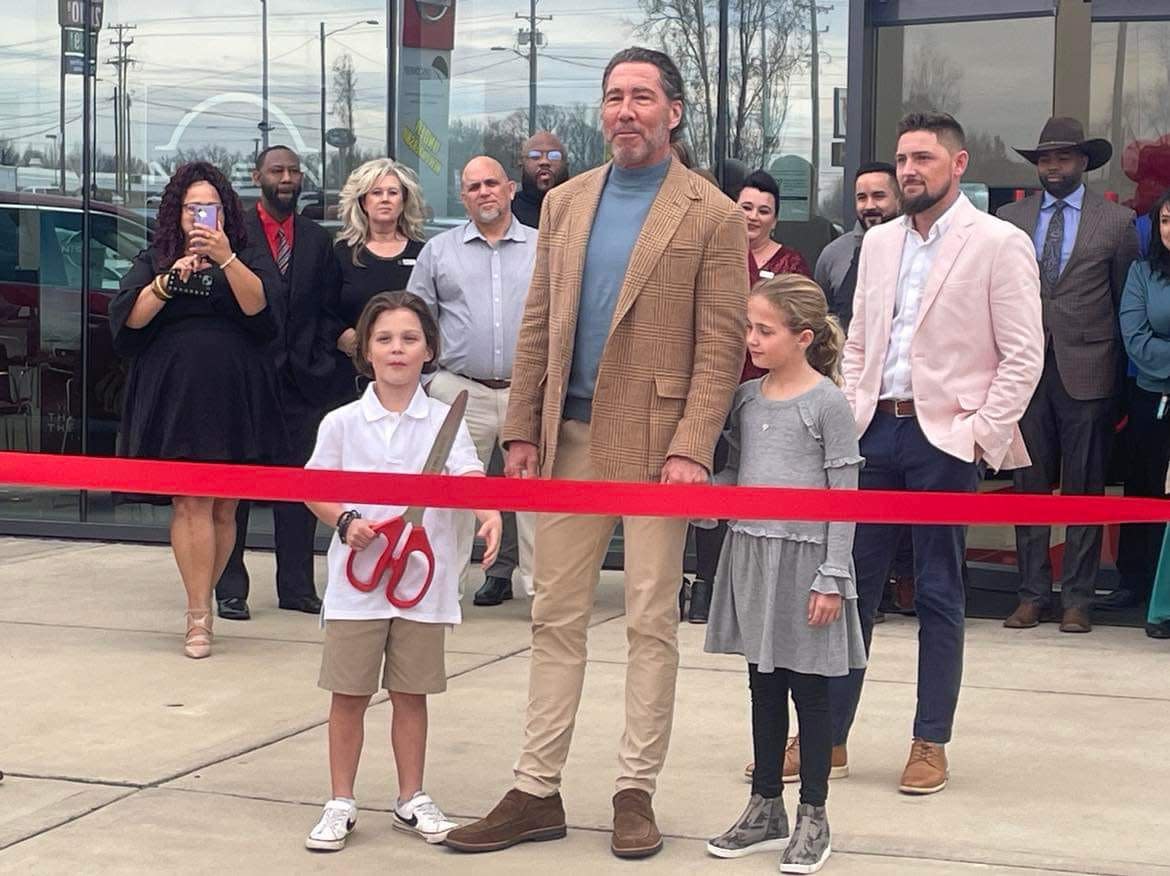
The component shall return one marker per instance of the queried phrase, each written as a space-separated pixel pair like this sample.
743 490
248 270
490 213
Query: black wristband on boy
343 522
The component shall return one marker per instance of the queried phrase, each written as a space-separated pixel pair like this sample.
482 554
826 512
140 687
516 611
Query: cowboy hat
1062 132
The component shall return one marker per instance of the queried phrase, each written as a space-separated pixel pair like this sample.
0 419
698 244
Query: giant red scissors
405 534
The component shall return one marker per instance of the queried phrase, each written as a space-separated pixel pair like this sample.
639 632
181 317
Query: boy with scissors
393 585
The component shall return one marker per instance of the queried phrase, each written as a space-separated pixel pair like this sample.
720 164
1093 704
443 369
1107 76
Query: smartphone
208 216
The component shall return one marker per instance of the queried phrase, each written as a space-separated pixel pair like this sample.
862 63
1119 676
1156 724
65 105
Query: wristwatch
343 522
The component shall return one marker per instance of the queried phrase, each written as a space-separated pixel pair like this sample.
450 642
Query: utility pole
815 93
264 126
535 39
122 107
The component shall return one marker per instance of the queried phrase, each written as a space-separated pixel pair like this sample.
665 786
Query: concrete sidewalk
123 756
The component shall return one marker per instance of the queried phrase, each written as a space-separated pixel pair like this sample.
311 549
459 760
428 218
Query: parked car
42 251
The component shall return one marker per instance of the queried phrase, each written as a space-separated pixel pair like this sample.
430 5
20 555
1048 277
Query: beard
1060 185
286 201
870 218
488 214
912 205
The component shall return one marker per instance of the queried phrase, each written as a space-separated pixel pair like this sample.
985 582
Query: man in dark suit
1084 245
303 253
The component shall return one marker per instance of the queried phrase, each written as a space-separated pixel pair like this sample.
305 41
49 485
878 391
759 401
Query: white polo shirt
364 436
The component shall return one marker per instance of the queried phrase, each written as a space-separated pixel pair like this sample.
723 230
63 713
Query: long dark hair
169 241
1159 256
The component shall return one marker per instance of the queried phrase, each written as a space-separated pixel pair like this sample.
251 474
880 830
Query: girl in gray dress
784 591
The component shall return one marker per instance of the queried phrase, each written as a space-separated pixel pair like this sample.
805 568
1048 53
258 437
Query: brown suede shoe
926 770
1026 616
635 835
838 770
1075 620
518 818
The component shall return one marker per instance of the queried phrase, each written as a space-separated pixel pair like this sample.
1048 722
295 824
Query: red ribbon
273 483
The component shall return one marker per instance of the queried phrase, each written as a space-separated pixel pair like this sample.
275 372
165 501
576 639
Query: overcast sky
184 59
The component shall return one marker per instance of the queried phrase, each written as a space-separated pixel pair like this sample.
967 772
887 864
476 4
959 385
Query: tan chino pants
569 553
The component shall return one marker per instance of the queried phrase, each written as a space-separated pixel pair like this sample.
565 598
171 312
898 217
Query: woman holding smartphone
193 317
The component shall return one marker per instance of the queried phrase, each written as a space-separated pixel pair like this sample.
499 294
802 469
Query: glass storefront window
969 69
1129 105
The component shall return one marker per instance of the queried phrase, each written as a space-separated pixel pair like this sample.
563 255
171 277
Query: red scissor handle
393 559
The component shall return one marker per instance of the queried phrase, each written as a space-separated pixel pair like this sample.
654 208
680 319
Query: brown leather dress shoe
926 769
1026 616
1075 620
635 835
518 818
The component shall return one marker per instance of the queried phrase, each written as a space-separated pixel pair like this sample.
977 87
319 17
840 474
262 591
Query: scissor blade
445 440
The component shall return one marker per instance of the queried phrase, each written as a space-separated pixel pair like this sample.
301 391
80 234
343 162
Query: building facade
101 99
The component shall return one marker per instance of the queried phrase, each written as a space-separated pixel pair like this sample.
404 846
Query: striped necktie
283 251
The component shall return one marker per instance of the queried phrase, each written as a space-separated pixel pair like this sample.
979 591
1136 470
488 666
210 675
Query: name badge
410 263
766 275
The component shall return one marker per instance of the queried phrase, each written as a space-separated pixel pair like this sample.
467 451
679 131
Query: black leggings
770 731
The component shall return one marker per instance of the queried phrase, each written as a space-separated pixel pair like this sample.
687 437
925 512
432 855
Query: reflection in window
995 77
1130 107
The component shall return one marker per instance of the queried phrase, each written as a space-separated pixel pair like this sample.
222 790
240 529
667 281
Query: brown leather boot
926 769
1026 616
635 835
1075 620
518 818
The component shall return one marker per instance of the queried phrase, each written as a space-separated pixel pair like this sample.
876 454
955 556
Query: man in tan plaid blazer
628 356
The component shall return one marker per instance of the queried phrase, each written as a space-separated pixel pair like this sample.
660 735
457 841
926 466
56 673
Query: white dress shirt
364 436
918 255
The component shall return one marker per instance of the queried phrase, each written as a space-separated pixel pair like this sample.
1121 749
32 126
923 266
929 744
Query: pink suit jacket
978 344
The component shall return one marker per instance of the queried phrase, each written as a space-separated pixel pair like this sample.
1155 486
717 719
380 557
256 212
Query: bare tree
9 153
934 84
769 47
344 94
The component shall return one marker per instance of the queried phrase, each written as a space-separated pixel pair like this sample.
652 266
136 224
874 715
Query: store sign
424 112
428 24
71 13
793 176
73 65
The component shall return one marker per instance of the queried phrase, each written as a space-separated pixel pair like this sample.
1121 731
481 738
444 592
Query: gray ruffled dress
768 568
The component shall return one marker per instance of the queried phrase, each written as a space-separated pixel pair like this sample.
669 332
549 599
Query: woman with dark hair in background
192 316
759 198
1145 329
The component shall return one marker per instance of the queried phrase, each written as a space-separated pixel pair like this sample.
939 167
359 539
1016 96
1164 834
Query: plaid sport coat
675 348
1081 310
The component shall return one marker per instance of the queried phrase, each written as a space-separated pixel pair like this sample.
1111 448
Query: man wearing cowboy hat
1084 245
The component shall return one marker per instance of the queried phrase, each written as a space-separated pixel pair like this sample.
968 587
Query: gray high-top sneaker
763 827
809 847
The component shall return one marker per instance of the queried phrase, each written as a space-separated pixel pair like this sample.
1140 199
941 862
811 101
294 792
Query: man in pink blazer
944 351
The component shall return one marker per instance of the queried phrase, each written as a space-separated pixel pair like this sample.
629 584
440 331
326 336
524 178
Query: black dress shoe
700 602
307 604
494 591
1117 600
1158 630
234 608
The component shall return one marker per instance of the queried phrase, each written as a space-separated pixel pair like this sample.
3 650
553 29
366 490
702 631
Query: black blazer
304 350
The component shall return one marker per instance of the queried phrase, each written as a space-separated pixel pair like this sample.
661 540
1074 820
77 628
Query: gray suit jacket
1080 311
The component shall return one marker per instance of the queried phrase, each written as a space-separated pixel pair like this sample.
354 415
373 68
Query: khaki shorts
408 654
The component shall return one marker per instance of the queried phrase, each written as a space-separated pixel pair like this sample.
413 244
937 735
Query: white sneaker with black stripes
338 819
422 816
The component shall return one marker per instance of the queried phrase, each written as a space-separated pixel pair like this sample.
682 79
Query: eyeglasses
553 154
193 209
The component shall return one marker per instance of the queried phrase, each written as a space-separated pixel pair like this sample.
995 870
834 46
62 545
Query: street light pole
264 72
531 67
324 194
323 35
